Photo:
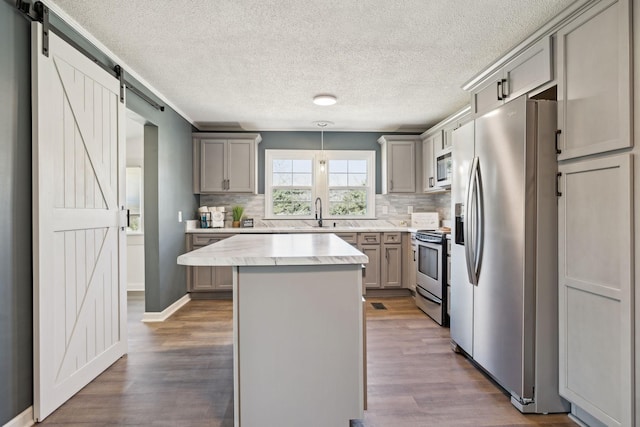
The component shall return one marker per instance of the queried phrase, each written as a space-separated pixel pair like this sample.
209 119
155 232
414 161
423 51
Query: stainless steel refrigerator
504 292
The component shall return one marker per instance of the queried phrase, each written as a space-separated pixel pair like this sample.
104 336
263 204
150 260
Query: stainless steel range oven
431 281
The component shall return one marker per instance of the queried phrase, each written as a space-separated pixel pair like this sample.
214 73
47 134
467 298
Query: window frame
269 156
370 158
320 180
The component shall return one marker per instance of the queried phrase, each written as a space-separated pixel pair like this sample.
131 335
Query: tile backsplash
396 206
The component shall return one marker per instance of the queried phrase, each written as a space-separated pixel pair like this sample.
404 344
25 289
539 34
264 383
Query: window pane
338 166
357 179
348 202
302 180
134 223
358 166
281 179
291 202
337 179
134 188
282 166
302 166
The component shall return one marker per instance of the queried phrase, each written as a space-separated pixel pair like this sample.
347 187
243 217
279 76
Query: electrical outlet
179 216
385 210
409 209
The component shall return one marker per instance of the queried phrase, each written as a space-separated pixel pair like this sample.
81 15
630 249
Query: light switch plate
179 216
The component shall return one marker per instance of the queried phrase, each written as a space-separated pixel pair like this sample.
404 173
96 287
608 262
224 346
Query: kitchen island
298 327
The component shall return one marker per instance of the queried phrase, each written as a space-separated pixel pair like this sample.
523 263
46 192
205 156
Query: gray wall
167 190
16 362
165 280
311 141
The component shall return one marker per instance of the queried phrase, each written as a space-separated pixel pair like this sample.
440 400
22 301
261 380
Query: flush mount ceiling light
324 100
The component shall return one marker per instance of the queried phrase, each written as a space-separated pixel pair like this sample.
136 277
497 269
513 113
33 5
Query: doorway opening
135 208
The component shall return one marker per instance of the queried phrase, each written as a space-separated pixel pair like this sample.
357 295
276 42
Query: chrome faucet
318 199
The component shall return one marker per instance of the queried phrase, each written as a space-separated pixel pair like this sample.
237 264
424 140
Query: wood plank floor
179 373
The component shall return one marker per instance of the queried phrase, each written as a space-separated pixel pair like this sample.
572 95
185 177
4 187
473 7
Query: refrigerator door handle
470 219
478 227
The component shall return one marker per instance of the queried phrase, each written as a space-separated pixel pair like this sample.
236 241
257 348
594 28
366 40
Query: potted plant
237 215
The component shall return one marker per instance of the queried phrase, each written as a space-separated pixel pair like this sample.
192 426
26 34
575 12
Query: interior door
78 226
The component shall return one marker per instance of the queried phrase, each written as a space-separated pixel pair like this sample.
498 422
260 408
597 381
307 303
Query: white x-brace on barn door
78 235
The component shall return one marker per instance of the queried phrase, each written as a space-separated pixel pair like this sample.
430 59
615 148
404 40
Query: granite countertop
275 249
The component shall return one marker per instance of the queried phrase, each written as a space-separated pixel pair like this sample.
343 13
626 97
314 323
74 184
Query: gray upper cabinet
428 167
212 165
527 71
594 81
225 163
437 144
398 163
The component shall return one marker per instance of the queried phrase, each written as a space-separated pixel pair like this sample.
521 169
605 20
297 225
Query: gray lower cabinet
369 244
596 301
371 278
384 270
392 265
207 279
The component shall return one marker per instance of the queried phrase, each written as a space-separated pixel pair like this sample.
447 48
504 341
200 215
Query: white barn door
79 242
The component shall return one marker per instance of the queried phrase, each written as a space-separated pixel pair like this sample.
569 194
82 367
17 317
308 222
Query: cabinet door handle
504 88
499 90
391 186
558 192
431 184
558 132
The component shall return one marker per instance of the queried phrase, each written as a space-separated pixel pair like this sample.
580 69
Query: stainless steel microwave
444 168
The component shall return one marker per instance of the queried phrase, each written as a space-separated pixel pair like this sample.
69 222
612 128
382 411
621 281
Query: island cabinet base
298 345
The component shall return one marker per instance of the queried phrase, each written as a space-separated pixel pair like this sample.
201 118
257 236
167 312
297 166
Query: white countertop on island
275 249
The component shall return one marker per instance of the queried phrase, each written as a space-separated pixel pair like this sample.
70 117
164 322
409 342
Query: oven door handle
420 291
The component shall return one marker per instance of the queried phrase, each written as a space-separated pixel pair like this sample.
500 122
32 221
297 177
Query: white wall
135 242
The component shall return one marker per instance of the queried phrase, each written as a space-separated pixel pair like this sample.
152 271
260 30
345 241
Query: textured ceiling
256 64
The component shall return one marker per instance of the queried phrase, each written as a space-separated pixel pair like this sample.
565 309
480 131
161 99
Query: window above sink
344 180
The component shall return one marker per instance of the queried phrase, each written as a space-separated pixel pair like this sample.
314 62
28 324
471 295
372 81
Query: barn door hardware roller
43 15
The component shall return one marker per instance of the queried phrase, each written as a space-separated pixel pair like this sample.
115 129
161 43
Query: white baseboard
135 286
24 419
167 312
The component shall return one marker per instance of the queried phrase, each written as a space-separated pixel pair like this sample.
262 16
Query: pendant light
322 125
